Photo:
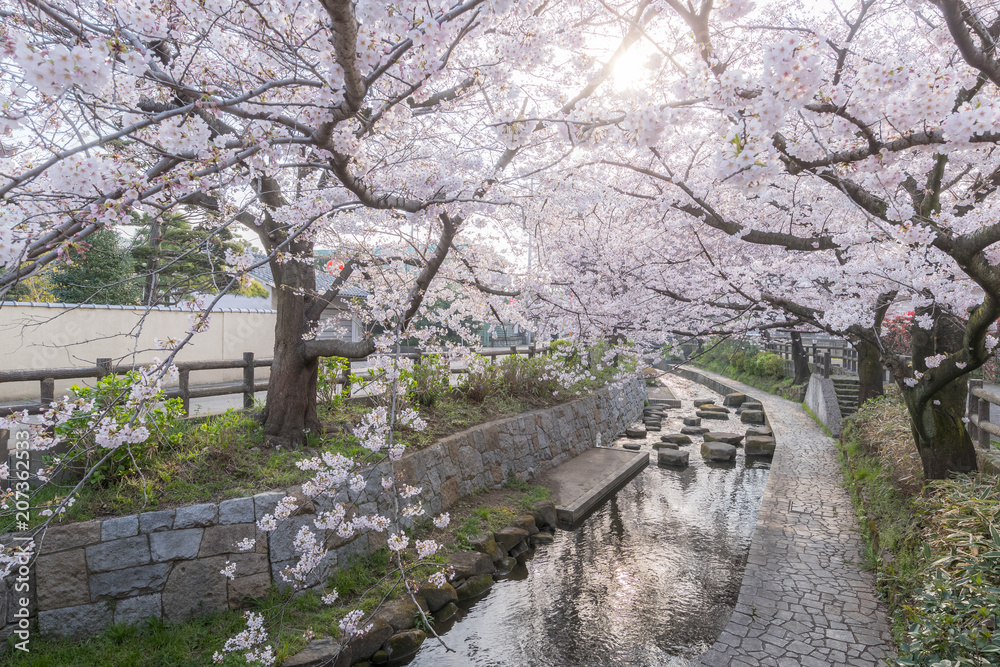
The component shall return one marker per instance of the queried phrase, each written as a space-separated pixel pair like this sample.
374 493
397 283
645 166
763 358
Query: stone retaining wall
167 564
711 383
821 398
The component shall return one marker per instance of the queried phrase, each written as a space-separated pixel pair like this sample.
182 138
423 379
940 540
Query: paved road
804 600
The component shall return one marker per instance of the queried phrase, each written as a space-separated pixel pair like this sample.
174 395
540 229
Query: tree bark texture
871 374
291 393
936 413
942 441
800 360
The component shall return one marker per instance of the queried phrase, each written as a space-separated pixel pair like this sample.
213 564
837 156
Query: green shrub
521 376
480 381
958 614
109 397
738 360
512 376
768 364
331 373
429 380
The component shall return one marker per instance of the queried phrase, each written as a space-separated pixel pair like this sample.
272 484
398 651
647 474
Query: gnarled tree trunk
871 373
800 360
937 407
291 393
942 441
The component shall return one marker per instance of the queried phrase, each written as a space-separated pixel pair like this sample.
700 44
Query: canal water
649 579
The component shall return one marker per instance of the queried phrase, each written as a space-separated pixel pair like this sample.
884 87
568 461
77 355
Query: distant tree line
166 261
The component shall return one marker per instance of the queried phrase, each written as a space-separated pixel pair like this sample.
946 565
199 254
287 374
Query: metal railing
248 386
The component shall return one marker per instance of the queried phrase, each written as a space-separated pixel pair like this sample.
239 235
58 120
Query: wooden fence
46 377
821 356
978 413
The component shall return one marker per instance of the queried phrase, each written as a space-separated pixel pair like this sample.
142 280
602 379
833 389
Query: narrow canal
650 578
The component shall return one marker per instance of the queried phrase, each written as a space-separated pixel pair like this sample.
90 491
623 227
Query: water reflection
650 578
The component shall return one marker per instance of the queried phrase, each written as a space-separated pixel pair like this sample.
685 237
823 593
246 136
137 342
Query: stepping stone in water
759 430
635 432
715 408
698 402
665 445
734 400
692 421
752 417
654 427
694 430
752 405
760 445
721 436
711 415
676 438
634 446
670 457
718 451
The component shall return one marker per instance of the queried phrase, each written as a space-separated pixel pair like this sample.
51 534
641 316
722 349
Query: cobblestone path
805 599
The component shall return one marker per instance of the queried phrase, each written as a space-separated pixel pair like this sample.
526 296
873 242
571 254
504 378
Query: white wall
36 336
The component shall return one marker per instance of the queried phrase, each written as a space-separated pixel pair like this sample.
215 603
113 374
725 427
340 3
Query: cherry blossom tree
288 120
825 164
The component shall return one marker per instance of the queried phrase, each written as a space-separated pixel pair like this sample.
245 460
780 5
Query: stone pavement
804 600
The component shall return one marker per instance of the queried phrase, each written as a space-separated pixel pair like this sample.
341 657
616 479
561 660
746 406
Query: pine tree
99 270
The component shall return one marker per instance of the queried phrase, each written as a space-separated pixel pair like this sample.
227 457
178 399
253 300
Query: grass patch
148 644
816 419
887 513
450 414
492 510
214 459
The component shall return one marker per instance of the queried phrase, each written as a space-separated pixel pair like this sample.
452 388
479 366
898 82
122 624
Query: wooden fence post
47 392
531 350
984 416
184 386
826 364
104 367
972 410
248 380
